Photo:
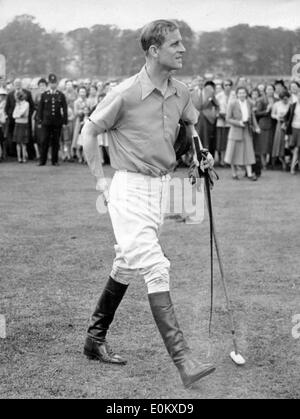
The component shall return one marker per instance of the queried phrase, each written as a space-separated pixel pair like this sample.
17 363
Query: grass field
56 254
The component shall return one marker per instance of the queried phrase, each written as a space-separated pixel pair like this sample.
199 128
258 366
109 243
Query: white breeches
137 205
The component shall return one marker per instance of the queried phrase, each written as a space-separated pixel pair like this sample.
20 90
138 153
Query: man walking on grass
142 115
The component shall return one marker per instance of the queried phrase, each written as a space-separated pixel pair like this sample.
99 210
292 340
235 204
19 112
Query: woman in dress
266 124
239 151
254 98
79 105
279 111
20 135
223 98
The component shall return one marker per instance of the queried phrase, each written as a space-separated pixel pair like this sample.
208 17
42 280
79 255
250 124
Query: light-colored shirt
21 112
142 123
2 113
224 100
244 109
294 98
279 110
296 119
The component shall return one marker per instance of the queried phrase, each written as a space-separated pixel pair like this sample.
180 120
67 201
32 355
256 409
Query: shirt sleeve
108 112
190 114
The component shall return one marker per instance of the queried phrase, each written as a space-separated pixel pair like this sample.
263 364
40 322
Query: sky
201 15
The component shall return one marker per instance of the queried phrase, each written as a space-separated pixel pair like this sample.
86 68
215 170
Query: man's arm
102 119
91 148
208 162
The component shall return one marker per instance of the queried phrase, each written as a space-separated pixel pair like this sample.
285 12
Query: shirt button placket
163 115
164 119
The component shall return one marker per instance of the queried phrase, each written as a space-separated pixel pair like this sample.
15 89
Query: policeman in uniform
52 114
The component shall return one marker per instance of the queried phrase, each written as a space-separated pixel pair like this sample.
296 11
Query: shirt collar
148 87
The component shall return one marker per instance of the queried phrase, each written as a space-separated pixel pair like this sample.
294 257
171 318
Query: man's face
218 88
269 91
42 87
227 86
82 93
170 53
294 88
69 85
93 91
242 94
279 88
201 82
209 90
18 84
53 86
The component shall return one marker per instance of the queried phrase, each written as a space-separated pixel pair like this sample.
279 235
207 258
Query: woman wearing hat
3 95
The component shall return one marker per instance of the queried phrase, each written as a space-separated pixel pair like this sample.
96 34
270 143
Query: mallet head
237 358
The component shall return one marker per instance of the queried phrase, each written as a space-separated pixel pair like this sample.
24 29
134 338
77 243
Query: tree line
106 51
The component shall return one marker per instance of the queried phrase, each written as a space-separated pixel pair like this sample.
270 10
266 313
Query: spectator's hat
52 78
3 91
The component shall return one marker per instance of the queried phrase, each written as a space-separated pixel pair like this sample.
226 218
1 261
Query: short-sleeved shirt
142 123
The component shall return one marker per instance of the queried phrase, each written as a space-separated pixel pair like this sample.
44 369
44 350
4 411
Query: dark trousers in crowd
207 133
50 137
257 166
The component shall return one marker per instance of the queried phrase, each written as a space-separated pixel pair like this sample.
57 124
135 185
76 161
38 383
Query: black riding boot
163 312
95 345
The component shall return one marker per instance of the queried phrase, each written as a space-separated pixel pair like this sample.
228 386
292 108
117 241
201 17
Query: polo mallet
236 357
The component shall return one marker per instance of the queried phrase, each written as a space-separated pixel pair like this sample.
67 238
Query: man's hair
154 33
226 81
210 83
42 81
241 87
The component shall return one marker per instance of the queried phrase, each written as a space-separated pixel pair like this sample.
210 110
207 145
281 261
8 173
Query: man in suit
208 106
10 106
52 114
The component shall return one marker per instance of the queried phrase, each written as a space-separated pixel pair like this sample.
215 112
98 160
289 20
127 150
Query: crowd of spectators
255 125
21 128
242 123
